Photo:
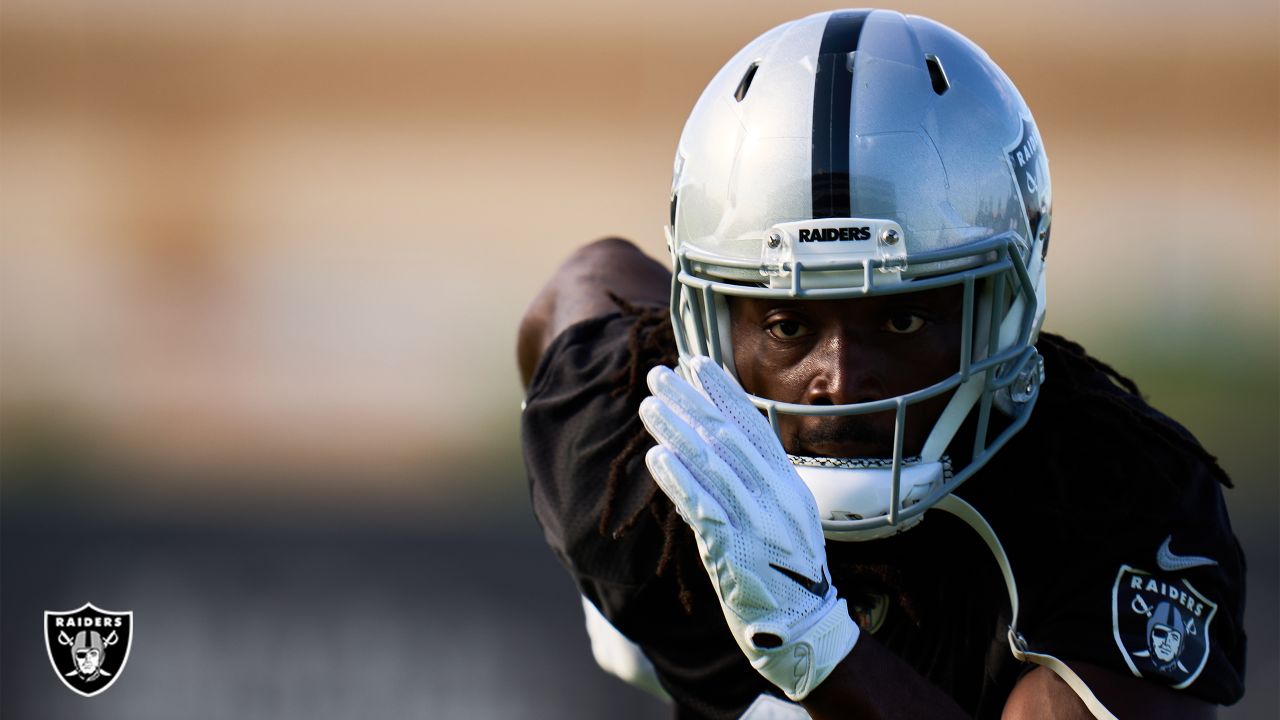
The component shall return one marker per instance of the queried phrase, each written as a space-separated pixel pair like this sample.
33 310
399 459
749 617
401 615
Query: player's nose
845 371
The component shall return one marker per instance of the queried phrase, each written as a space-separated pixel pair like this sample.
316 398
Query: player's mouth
853 436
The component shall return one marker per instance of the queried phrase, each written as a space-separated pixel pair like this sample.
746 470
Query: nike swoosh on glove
755 522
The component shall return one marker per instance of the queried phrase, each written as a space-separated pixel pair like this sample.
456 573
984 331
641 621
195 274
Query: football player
847 347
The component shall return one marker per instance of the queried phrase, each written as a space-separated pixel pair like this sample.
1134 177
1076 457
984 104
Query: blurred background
262 266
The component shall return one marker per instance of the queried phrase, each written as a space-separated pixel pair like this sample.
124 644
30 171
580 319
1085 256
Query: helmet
87 640
87 650
858 153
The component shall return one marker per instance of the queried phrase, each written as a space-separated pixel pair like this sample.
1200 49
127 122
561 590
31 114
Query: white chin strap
1017 643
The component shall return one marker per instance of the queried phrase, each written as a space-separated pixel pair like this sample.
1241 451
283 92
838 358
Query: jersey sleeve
577 419
1123 549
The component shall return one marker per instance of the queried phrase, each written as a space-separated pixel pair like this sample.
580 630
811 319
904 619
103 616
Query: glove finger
698 508
713 475
745 592
729 397
784 488
718 432
782 505
682 396
746 596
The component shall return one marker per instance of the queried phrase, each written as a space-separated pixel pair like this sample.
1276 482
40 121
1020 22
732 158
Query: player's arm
579 290
872 682
1042 694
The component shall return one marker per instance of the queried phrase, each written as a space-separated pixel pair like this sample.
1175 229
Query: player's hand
755 522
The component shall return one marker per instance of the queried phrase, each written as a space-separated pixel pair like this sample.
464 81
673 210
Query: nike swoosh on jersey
816 587
1172 563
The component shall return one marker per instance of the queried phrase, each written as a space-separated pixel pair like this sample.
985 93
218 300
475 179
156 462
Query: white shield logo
88 647
1161 625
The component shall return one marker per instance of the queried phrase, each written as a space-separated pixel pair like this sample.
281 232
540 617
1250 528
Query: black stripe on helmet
832 105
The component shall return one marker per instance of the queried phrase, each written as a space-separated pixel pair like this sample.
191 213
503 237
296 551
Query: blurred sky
293 240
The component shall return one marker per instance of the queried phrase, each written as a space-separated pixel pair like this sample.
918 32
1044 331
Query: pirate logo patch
1161 626
88 646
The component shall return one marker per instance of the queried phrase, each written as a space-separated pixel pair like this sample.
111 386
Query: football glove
755 522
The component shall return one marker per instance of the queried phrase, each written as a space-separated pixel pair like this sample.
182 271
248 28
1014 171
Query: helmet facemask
997 367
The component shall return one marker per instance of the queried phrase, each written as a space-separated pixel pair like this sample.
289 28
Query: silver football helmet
857 153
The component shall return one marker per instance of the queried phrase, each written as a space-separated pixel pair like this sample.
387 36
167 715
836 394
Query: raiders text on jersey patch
833 234
1161 625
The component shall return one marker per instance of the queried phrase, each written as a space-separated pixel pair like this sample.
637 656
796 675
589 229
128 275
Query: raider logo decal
88 647
1031 171
1161 626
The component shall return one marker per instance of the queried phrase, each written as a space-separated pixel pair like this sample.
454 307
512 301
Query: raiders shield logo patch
88 646
1161 625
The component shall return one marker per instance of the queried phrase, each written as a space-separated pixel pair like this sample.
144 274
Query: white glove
755 522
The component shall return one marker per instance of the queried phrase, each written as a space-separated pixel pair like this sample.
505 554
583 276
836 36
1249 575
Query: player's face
835 352
87 660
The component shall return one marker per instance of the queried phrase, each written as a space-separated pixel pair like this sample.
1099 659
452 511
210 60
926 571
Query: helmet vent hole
936 74
745 84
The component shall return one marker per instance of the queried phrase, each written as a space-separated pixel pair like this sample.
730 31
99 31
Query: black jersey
1111 515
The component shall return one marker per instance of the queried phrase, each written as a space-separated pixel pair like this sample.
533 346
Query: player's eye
903 322
787 329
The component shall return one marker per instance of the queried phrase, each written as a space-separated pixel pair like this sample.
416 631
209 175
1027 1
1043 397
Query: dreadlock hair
1073 368
651 342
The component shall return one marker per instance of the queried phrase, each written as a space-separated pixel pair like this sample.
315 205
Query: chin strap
1018 644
